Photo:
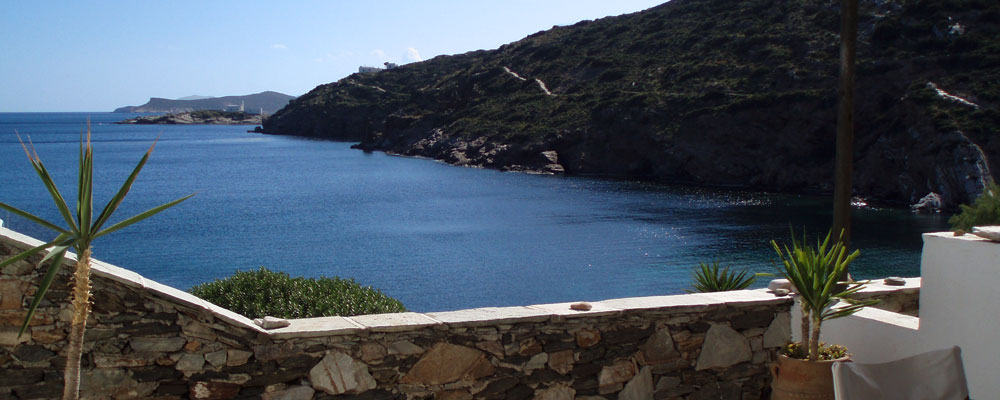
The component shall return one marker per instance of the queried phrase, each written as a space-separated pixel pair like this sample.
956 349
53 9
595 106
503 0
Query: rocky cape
197 118
712 92
268 101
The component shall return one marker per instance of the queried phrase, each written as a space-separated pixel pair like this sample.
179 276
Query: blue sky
100 55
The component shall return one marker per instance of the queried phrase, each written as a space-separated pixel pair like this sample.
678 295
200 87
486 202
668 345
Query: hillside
713 92
269 101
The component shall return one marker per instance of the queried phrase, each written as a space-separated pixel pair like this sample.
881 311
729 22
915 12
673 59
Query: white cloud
279 46
378 53
413 54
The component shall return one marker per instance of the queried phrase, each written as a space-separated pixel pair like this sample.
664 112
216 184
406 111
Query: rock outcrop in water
718 92
207 117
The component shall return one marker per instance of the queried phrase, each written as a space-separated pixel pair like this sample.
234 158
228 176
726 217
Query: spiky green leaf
32 218
117 199
57 254
141 216
57 197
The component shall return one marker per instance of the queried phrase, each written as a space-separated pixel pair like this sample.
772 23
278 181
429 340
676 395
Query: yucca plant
814 273
708 278
81 230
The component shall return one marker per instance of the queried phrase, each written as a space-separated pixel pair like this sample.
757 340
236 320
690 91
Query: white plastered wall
959 305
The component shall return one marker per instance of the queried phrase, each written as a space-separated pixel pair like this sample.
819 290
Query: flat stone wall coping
685 302
742 297
394 322
117 274
490 316
563 310
878 286
317 327
949 235
680 303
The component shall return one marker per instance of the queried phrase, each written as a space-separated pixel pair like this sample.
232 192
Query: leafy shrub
263 292
708 278
984 211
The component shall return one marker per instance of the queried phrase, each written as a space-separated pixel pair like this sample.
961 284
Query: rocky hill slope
719 92
268 101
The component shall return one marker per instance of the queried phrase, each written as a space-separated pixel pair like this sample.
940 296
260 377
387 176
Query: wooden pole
845 121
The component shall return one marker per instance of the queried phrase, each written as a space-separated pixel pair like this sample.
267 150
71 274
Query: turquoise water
435 236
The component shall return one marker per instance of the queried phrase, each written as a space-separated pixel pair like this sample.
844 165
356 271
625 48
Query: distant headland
201 117
265 102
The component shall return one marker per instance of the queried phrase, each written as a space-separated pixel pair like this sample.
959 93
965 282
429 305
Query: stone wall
147 340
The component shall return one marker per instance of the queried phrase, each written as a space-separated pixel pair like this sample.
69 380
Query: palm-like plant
815 274
708 278
80 232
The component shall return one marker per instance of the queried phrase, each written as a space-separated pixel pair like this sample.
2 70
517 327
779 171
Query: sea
435 236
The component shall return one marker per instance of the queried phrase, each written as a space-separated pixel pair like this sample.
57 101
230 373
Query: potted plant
803 370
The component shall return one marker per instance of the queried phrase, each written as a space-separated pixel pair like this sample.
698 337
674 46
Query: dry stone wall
146 340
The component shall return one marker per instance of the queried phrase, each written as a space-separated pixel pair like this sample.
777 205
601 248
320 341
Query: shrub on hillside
263 292
984 211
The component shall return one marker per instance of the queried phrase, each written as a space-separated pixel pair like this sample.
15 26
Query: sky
97 55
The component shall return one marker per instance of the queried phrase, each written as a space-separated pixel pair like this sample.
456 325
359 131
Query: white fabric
935 375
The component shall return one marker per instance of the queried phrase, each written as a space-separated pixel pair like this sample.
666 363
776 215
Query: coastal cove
437 237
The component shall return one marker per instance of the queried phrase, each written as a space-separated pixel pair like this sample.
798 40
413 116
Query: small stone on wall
557 392
587 337
446 363
779 332
292 393
640 387
723 347
214 390
619 372
338 373
658 349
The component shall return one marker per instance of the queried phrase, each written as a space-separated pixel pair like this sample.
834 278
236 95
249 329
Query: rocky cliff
268 101
702 91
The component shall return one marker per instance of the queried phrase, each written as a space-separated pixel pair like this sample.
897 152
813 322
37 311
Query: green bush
263 292
984 211
708 278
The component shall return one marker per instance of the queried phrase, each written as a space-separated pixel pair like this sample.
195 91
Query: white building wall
873 335
959 305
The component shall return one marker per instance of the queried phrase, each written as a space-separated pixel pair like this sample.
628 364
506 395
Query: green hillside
702 91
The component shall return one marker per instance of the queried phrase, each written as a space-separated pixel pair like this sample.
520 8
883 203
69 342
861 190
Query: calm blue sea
435 236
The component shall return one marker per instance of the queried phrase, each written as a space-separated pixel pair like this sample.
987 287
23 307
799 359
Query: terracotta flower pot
793 378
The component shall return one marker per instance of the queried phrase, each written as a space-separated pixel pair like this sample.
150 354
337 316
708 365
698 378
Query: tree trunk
81 309
845 124
805 329
814 342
